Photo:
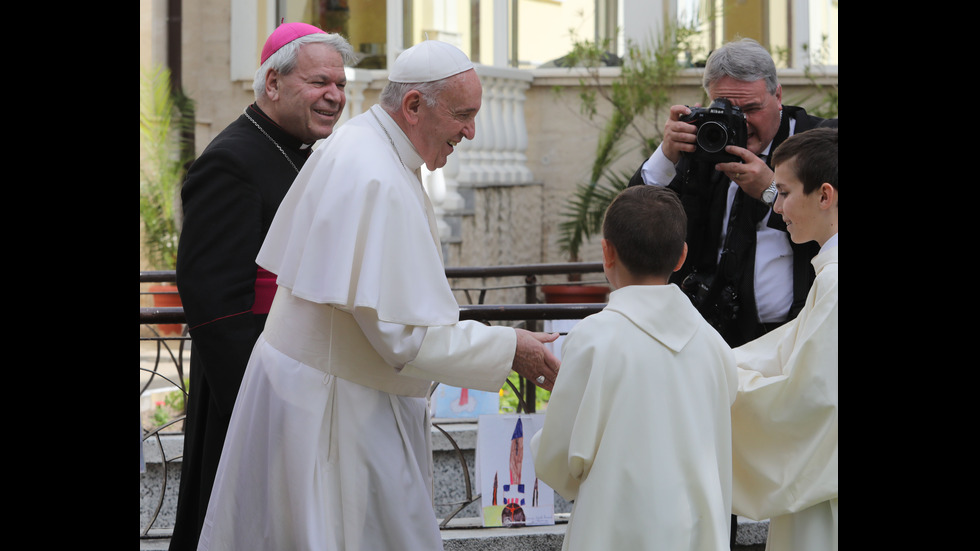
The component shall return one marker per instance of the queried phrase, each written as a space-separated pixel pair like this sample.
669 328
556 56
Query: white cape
333 215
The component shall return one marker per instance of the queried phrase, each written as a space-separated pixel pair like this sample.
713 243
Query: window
797 32
534 33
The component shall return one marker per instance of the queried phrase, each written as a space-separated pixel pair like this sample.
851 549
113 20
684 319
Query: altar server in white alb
329 445
784 421
638 429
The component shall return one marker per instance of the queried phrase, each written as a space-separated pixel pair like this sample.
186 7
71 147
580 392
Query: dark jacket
730 293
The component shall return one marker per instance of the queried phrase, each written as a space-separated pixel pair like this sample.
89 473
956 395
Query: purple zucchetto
284 34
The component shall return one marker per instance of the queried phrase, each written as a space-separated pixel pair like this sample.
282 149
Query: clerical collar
832 242
403 146
277 132
273 128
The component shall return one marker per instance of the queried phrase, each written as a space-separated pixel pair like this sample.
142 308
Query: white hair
744 60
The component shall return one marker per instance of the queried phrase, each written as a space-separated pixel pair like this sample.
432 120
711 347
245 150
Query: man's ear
608 254
828 195
680 261
272 84
411 105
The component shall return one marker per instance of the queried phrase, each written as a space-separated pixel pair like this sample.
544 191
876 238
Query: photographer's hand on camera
679 136
752 174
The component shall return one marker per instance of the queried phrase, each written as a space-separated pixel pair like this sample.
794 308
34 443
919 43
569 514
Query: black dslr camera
719 125
719 307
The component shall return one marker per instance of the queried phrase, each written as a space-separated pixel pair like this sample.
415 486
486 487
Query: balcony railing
170 350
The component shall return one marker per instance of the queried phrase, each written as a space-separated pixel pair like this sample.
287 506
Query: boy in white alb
784 421
638 429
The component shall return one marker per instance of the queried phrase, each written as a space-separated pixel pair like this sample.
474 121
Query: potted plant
642 89
162 162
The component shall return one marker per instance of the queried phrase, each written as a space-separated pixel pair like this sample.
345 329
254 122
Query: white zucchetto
429 61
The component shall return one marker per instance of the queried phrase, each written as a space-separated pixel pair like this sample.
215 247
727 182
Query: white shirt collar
832 242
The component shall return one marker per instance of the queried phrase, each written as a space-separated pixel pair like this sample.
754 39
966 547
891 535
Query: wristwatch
769 195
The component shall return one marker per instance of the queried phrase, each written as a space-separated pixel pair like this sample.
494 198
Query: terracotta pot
165 296
575 294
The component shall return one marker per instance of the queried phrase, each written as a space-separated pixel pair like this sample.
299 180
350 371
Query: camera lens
712 136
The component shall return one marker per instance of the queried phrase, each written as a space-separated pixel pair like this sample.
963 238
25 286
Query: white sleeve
658 170
468 354
397 344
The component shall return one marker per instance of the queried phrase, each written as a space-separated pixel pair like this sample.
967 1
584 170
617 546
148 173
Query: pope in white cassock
328 447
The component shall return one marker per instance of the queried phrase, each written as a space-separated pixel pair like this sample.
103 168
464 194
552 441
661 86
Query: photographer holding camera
743 273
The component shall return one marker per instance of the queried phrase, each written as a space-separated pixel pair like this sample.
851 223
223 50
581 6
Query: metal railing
530 314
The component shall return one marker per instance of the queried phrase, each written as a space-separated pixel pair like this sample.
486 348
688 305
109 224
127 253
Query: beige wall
562 145
207 69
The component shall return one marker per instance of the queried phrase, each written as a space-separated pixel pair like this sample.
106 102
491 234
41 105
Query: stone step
463 532
468 535
464 535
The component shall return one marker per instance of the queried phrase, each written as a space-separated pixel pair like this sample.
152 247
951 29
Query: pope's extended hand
533 359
